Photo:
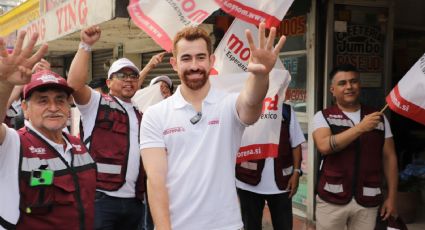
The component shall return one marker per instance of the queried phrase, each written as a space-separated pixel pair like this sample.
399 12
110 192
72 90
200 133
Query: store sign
293 26
361 46
18 17
70 16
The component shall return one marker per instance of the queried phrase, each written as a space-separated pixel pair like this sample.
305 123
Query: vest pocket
371 187
38 201
333 182
64 193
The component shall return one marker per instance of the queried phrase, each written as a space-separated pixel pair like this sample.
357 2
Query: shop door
361 34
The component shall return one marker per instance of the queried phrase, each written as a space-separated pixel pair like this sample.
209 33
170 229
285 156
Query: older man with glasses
110 131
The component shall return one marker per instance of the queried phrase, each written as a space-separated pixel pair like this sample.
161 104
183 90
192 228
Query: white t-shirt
201 159
267 184
320 122
9 170
88 118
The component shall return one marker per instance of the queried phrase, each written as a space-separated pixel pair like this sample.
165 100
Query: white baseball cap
164 78
122 63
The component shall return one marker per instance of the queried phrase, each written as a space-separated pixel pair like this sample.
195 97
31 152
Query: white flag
408 96
162 19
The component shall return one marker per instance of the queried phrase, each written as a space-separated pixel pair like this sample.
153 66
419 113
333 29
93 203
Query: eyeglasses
124 76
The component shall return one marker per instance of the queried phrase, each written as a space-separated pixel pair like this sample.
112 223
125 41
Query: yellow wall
19 17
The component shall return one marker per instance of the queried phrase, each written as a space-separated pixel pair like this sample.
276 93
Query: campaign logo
173 130
214 122
37 150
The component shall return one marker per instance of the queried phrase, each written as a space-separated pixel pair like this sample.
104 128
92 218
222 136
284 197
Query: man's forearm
390 167
250 101
78 72
297 156
159 204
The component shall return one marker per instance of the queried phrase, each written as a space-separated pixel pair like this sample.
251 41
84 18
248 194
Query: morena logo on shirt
214 122
37 150
173 130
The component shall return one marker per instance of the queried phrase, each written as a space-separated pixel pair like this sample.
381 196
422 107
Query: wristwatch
299 171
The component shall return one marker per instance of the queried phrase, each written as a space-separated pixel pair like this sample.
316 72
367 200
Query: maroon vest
69 201
110 146
357 169
250 172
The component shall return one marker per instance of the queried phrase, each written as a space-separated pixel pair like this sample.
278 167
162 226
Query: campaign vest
356 171
110 146
68 201
250 171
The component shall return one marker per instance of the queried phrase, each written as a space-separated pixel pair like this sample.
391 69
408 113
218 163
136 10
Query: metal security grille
99 58
164 68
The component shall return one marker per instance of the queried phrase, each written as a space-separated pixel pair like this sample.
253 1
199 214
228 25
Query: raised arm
261 62
78 72
155 163
155 60
15 69
323 136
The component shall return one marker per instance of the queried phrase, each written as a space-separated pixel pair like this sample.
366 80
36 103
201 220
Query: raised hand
16 67
41 65
156 59
90 35
264 56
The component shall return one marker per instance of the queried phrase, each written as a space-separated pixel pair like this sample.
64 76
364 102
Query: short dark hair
342 68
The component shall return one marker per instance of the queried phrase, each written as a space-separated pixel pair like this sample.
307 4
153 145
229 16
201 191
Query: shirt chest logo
37 150
173 130
214 122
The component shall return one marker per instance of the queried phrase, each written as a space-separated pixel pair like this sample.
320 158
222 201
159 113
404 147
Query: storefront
379 37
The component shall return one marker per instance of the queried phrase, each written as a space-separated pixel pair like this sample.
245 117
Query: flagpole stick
385 107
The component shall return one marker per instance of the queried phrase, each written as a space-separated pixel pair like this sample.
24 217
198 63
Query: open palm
263 57
16 67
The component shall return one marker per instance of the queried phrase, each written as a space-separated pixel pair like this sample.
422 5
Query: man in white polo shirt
189 141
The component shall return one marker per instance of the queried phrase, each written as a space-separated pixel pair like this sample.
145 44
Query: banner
69 17
253 11
260 140
162 19
408 96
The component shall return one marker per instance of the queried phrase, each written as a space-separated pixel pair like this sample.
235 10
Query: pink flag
162 19
408 96
253 11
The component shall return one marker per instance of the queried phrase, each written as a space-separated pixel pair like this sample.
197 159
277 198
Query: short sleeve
150 130
296 135
319 121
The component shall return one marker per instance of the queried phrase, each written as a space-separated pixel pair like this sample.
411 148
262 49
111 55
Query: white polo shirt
267 183
201 159
88 118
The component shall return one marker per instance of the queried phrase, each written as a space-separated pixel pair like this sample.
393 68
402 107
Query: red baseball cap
46 78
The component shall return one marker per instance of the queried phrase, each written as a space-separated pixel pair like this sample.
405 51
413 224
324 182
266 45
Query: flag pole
385 107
